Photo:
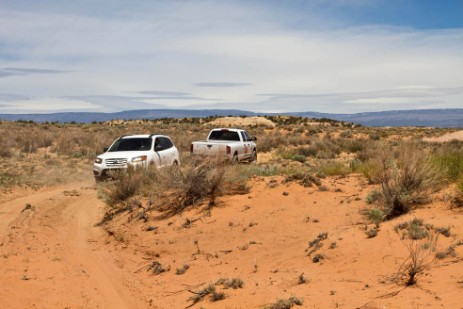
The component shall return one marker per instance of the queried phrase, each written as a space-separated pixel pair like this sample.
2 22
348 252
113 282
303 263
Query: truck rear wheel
254 157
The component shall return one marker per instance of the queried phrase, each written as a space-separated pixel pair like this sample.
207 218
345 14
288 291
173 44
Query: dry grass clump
211 291
457 199
305 180
407 178
449 159
333 168
414 229
286 303
198 181
207 291
420 258
125 184
227 283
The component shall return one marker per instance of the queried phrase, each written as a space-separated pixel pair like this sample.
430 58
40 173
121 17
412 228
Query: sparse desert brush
286 303
376 216
307 151
421 256
124 185
372 197
196 182
407 178
460 185
353 145
304 179
333 168
457 197
298 158
370 169
449 159
414 229
233 283
327 148
210 291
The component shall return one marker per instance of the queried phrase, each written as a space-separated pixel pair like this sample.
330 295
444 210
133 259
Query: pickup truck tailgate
215 148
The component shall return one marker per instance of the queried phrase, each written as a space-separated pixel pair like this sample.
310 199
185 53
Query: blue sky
335 56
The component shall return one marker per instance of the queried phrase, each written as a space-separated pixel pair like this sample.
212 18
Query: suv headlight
98 160
139 159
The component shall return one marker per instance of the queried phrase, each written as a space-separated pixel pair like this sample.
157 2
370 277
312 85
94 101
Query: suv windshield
131 144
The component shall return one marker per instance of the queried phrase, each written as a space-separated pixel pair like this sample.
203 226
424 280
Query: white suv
136 150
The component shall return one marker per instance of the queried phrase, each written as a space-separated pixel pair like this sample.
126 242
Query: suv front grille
116 162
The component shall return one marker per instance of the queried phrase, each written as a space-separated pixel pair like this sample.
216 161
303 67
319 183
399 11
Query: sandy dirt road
52 256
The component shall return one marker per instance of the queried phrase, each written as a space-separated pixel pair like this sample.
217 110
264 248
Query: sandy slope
53 257
447 137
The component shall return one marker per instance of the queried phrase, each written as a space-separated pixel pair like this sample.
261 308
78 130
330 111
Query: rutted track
52 257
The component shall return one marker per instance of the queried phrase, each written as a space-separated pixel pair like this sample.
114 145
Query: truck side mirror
105 149
254 138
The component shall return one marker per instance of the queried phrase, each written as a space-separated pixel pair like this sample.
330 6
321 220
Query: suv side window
164 142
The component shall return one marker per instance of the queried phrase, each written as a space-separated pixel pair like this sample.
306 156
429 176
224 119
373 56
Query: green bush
450 160
333 168
373 197
376 216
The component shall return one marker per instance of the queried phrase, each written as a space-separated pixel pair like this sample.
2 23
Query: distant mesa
440 118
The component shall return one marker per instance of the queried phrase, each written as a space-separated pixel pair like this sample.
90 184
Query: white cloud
47 105
174 47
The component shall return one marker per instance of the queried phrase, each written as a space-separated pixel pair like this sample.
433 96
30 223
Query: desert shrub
374 136
376 216
420 258
306 180
346 134
286 303
444 231
460 184
457 198
326 148
124 184
299 158
5 152
355 145
369 169
182 270
372 197
8 179
227 283
449 159
207 291
406 179
414 229
333 168
307 151
187 187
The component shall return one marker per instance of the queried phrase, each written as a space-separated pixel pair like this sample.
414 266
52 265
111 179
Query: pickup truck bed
227 144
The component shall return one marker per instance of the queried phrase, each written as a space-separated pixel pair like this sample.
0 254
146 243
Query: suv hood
122 154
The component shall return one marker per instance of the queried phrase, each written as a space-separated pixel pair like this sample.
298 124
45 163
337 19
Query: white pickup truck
230 144
136 150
